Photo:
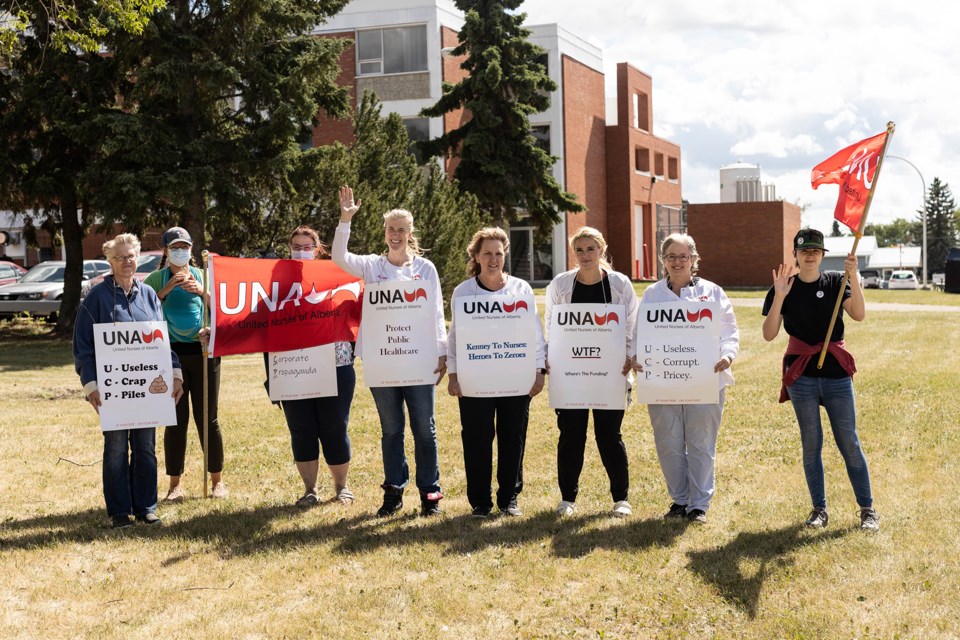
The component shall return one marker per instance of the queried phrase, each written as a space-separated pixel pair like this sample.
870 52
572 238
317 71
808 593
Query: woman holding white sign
129 455
503 417
321 422
803 300
686 434
593 281
403 260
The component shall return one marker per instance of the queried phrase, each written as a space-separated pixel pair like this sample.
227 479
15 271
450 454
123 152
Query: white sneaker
566 508
622 509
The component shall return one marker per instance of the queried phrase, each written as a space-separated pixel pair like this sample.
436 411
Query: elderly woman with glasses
129 455
686 434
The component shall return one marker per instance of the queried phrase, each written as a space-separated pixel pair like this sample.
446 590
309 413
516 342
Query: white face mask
301 255
179 257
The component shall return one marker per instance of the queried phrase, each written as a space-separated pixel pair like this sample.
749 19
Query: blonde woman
593 281
686 434
402 260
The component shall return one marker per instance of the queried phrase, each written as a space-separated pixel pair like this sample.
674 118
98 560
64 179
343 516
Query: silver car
40 291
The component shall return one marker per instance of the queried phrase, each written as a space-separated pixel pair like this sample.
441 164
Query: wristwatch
542 371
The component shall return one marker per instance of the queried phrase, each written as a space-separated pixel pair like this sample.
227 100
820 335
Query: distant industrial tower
740 182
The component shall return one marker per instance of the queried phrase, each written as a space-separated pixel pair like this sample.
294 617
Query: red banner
854 169
280 305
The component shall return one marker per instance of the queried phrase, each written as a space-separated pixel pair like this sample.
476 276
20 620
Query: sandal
308 500
344 495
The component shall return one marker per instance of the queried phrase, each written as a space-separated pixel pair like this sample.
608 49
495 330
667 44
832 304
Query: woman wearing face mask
316 423
179 285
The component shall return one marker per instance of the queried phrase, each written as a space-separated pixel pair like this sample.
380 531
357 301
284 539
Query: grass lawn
253 566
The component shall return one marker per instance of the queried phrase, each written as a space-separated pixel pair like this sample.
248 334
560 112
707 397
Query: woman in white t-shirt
403 260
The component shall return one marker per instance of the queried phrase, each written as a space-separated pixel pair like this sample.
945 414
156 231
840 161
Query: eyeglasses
673 258
124 258
303 247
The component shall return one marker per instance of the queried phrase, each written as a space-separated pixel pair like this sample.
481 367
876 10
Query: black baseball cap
176 234
808 239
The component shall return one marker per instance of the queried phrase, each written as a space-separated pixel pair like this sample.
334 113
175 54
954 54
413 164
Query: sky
785 85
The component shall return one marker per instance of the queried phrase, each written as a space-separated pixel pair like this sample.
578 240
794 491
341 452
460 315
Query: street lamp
923 257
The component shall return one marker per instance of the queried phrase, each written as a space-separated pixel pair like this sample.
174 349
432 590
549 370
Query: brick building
628 179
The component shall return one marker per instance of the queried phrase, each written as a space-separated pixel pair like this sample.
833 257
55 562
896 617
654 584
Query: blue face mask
179 257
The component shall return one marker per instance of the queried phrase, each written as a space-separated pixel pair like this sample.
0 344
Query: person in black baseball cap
802 299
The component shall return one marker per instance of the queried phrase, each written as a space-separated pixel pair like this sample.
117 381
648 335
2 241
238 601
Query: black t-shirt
598 292
806 315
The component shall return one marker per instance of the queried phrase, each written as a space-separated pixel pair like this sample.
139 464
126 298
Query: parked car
10 272
871 278
147 263
903 280
40 290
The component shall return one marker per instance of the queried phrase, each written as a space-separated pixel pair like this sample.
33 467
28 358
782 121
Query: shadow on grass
31 354
271 528
770 551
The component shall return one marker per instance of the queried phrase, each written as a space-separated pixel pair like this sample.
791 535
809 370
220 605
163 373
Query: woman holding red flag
802 299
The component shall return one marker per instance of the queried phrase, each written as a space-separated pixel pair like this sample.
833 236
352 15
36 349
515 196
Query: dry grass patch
253 566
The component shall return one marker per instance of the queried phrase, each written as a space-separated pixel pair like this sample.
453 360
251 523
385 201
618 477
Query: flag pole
206 385
856 241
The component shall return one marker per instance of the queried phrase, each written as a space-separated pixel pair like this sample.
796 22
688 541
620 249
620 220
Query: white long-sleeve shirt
514 287
376 268
704 290
560 291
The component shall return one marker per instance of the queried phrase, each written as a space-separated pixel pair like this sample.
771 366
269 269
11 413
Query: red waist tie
804 351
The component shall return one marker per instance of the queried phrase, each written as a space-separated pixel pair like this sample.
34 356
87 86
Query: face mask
301 255
179 257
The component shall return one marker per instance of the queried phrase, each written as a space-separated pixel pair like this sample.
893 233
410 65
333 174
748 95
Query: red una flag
854 169
281 305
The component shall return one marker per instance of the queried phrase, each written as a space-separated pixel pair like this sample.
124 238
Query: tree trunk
195 223
73 233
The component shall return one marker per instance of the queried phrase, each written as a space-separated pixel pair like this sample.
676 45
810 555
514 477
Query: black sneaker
817 519
511 509
120 522
677 511
697 515
481 512
150 518
392 500
430 503
869 520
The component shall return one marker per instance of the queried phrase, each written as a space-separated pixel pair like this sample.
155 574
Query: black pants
481 419
175 437
573 441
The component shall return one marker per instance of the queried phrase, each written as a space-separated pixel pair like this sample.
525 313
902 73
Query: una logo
273 302
493 306
585 318
678 315
394 296
131 337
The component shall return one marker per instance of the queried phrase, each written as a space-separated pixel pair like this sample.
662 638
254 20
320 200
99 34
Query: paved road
871 306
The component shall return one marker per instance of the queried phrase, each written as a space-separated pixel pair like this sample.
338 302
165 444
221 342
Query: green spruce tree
941 225
500 161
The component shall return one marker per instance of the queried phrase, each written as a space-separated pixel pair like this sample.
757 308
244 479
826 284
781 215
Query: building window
396 50
641 111
658 164
641 159
673 169
418 130
542 134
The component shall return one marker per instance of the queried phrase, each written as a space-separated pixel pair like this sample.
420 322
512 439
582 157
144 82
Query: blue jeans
836 395
130 475
419 400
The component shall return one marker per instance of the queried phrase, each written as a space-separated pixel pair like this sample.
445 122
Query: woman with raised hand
179 286
593 281
802 299
129 455
686 434
402 260
483 418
